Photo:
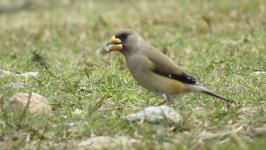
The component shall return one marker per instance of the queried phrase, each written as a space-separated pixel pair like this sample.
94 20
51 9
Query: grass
221 43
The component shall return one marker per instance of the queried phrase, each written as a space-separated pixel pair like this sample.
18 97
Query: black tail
216 95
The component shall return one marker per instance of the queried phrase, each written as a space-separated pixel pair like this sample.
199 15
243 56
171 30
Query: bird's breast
157 83
141 69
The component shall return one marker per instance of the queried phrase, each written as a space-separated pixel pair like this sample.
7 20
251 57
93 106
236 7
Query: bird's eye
122 36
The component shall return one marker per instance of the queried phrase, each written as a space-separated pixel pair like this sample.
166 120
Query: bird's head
124 40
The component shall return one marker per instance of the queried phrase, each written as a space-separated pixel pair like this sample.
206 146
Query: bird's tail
203 89
216 95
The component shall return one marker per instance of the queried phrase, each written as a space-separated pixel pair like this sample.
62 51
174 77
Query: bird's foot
167 100
234 105
231 105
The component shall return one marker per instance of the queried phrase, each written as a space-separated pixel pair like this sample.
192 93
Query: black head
123 35
125 41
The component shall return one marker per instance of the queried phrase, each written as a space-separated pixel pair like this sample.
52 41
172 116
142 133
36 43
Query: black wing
183 77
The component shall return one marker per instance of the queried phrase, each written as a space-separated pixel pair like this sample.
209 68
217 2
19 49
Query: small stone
72 124
156 114
259 72
28 74
25 74
35 103
107 142
5 72
95 141
15 85
205 135
188 50
77 112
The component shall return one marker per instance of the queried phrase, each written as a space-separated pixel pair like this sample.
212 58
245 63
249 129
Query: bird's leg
167 100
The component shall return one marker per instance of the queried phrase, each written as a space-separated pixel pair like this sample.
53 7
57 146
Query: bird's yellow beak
114 44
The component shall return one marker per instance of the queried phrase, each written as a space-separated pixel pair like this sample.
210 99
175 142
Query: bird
153 70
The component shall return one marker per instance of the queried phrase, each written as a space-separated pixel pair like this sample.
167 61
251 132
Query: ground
222 43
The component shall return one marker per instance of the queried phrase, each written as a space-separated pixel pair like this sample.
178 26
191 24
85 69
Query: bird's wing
163 66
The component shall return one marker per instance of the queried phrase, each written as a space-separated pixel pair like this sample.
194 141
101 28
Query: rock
35 103
156 114
107 142
15 85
